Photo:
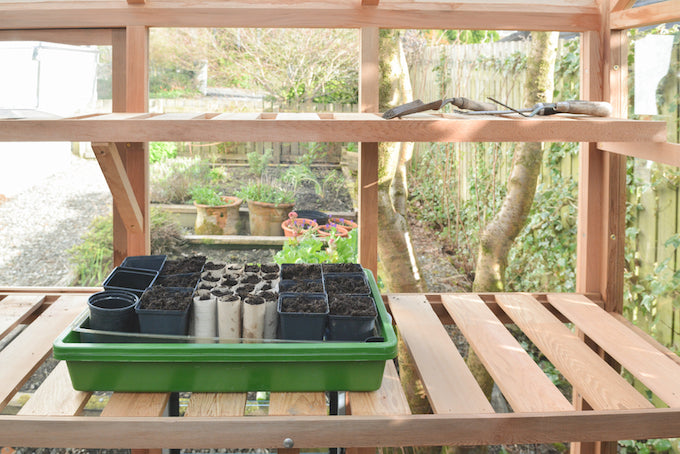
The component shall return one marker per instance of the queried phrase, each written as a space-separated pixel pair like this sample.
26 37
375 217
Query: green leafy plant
652 446
162 151
310 248
263 192
297 175
172 179
258 162
204 195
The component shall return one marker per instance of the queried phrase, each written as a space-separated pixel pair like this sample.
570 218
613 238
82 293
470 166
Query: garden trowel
419 106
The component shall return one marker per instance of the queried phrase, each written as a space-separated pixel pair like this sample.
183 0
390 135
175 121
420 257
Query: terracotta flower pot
266 218
296 227
220 219
348 224
325 230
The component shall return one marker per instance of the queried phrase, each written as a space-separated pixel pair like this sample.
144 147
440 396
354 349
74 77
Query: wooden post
602 178
369 79
130 94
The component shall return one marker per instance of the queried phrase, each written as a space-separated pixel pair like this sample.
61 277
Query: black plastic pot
145 262
302 325
358 285
352 327
320 217
333 268
303 286
130 279
113 310
300 271
158 320
187 280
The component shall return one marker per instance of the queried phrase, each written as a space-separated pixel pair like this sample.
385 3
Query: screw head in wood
288 443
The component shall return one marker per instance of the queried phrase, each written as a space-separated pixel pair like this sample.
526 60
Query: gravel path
41 222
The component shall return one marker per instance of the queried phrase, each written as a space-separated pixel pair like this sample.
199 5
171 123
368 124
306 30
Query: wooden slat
389 399
522 382
122 405
238 116
178 116
664 153
653 342
76 37
546 16
24 354
56 396
658 13
14 309
658 372
136 404
450 386
112 166
297 116
216 404
361 127
349 431
599 384
296 404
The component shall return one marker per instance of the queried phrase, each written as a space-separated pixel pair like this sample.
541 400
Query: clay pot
296 227
220 219
266 218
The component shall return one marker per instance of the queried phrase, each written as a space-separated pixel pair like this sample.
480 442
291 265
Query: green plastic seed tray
157 363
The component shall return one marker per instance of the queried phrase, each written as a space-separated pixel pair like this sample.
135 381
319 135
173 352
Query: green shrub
258 162
172 179
204 195
162 151
310 248
92 259
263 192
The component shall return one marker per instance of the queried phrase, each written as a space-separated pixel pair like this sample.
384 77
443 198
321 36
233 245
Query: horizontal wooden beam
73 36
348 431
113 169
337 127
663 152
501 15
657 13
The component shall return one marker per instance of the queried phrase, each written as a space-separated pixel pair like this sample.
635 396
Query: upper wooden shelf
329 127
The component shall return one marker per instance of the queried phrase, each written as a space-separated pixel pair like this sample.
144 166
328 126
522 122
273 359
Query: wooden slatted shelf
462 415
330 127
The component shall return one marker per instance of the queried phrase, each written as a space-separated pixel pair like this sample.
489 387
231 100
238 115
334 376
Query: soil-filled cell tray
229 367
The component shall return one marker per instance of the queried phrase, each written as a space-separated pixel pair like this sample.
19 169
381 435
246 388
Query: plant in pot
268 207
215 214
296 226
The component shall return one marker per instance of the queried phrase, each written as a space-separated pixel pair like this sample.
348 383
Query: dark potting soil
254 300
252 268
352 305
269 296
166 299
300 271
206 285
251 279
346 284
342 268
303 303
244 290
212 266
231 297
222 291
269 268
178 280
229 282
305 287
211 278
190 264
270 276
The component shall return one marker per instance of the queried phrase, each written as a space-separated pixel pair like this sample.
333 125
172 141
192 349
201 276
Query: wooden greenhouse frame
605 408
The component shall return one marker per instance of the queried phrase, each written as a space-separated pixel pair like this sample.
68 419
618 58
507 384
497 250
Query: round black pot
113 310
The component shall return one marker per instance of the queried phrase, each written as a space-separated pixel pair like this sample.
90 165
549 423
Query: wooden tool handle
469 104
594 108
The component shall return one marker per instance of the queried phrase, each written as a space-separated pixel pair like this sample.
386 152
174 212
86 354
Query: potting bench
461 413
605 406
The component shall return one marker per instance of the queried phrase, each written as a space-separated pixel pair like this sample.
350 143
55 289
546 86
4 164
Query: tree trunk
395 87
395 262
499 235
